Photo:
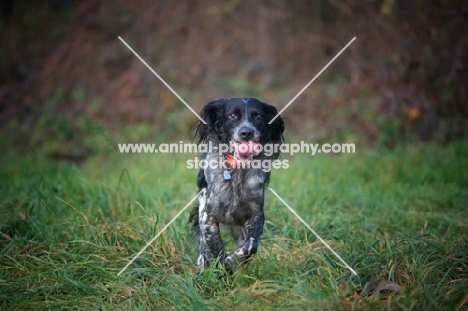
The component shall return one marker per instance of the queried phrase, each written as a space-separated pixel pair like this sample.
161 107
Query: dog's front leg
253 228
210 243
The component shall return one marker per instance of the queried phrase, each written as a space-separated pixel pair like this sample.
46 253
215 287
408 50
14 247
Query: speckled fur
236 203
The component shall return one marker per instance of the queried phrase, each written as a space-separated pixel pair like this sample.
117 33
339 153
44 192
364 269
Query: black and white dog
234 189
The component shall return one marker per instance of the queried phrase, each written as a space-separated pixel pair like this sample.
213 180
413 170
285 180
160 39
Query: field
398 217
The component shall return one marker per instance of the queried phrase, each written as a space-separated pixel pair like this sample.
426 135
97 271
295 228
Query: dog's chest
235 200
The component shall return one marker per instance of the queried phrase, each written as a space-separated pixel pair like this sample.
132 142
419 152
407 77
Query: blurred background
65 77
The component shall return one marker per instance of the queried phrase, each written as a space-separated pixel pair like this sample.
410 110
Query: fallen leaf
375 285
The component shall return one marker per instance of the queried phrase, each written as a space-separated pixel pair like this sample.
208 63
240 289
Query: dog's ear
276 128
212 113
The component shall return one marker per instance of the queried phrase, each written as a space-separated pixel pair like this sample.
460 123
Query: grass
400 215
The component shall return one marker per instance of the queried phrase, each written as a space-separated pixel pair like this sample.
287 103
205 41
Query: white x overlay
159 233
313 231
162 80
313 79
201 119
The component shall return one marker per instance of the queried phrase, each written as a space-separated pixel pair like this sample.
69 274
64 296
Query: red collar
230 159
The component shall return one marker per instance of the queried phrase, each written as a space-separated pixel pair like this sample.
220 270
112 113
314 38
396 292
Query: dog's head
239 120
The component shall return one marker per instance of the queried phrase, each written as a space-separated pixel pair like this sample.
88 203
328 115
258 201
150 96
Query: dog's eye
258 117
232 116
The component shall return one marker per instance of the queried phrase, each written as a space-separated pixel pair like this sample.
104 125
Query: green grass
401 215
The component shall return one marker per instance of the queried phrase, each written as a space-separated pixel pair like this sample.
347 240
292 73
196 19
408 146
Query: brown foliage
403 79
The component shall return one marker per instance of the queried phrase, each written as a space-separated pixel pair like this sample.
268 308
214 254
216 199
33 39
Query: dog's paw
230 263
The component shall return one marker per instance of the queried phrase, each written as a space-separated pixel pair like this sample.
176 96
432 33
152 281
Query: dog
234 190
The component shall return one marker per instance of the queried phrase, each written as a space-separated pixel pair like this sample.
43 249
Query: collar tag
226 175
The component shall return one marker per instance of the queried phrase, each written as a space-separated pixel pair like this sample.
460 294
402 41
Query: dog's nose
246 133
